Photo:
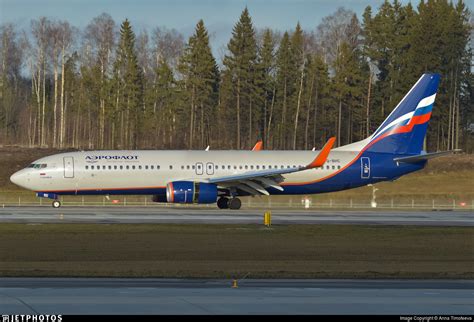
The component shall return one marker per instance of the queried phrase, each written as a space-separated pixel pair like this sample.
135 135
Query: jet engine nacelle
191 192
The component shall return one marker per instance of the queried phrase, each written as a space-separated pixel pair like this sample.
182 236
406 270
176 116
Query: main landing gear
226 203
56 204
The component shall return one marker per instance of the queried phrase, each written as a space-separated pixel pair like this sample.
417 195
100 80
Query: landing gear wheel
223 203
56 204
235 203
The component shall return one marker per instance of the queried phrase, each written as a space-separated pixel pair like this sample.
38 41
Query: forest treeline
108 87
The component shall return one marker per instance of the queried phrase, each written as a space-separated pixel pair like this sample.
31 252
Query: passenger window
171 167
92 167
263 167
43 165
240 167
110 167
235 167
87 167
121 167
158 167
246 167
187 167
182 167
115 167
146 167
140 167
133 167
251 167
194 167
127 167
152 167
333 167
258 167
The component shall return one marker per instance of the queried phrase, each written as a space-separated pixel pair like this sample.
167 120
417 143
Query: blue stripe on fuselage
147 191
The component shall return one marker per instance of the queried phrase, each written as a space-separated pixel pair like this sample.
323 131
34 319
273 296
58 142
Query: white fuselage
116 170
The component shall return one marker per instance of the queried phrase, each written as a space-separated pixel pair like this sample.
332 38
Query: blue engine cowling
191 192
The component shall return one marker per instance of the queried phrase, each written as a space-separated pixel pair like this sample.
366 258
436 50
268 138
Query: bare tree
168 44
340 27
66 41
100 35
39 30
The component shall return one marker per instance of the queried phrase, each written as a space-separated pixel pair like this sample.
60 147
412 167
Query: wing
256 182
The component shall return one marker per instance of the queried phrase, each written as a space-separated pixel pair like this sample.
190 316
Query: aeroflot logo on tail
96 158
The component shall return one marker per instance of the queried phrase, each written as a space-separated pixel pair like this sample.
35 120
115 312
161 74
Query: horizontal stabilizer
425 156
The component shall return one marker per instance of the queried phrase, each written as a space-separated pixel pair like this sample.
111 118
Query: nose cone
14 178
19 178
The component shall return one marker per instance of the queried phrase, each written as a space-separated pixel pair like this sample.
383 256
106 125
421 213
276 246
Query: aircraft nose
15 178
19 178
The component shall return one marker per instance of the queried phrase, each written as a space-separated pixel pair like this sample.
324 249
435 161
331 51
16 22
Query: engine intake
191 192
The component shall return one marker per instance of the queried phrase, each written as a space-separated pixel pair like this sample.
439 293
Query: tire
235 203
223 203
56 204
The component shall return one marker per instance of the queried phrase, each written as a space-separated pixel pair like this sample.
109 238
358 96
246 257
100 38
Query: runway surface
165 296
108 215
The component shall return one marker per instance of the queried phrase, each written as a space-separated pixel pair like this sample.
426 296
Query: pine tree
266 81
128 89
201 79
284 87
241 65
298 59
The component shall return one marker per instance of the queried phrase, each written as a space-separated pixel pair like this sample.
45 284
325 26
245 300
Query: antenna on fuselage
207 149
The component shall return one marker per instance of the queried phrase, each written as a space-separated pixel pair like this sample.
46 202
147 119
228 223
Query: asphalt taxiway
163 296
112 215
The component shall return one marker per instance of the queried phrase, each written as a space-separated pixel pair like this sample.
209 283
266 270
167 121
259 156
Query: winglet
322 155
258 146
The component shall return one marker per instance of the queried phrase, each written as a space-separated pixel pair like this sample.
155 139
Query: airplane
393 150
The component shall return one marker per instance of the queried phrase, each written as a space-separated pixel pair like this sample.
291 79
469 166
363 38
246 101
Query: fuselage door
210 168
68 167
199 168
365 168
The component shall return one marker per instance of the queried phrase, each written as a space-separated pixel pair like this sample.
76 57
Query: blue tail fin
404 130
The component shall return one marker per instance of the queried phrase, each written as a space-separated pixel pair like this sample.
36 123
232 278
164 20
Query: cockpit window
38 165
